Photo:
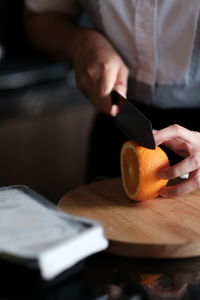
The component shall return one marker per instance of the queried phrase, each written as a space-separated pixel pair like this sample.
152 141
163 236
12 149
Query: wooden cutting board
159 228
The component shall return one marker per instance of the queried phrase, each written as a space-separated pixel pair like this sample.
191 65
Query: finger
122 81
187 165
109 79
114 110
82 82
106 82
174 132
184 187
104 104
180 148
103 87
89 85
121 87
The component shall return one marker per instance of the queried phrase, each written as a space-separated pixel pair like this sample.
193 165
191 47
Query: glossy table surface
105 276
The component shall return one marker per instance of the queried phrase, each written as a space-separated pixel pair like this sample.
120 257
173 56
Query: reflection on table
106 277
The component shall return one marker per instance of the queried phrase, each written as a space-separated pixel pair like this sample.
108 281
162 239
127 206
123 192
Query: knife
132 123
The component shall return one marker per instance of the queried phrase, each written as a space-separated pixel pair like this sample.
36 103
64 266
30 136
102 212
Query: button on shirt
159 40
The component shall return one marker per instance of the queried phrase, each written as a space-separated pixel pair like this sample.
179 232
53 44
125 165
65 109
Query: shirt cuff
69 7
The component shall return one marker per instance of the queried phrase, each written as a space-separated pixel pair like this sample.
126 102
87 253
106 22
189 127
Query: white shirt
158 39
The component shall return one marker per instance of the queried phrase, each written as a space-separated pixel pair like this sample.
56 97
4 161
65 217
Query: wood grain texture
158 228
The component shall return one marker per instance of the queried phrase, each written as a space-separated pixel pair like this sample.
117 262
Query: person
147 50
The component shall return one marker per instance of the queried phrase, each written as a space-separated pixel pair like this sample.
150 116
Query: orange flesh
140 169
132 170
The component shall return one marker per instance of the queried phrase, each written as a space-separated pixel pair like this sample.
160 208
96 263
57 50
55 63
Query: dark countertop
104 276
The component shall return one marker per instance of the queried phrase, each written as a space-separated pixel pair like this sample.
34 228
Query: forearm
54 34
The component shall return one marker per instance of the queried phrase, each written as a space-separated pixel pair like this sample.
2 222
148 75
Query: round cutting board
158 228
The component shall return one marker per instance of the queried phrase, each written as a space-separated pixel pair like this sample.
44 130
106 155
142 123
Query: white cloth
156 38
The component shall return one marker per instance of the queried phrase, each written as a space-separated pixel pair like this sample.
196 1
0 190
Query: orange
139 171
148 278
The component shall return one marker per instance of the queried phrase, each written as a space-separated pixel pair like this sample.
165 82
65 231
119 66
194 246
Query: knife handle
115 97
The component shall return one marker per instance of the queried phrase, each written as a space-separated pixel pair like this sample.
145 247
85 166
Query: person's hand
185 143
99 69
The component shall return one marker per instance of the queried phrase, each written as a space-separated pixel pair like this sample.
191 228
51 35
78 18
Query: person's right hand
99 69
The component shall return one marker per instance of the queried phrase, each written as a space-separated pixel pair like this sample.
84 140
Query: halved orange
140 169
146 279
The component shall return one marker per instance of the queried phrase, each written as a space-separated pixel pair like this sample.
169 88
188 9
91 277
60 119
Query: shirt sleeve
70 7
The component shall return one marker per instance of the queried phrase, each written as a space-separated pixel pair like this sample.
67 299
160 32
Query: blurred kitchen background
45 121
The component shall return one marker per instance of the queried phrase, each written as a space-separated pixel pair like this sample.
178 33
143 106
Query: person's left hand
185 143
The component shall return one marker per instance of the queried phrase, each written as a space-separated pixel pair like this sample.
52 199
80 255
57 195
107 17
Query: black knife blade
132 123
